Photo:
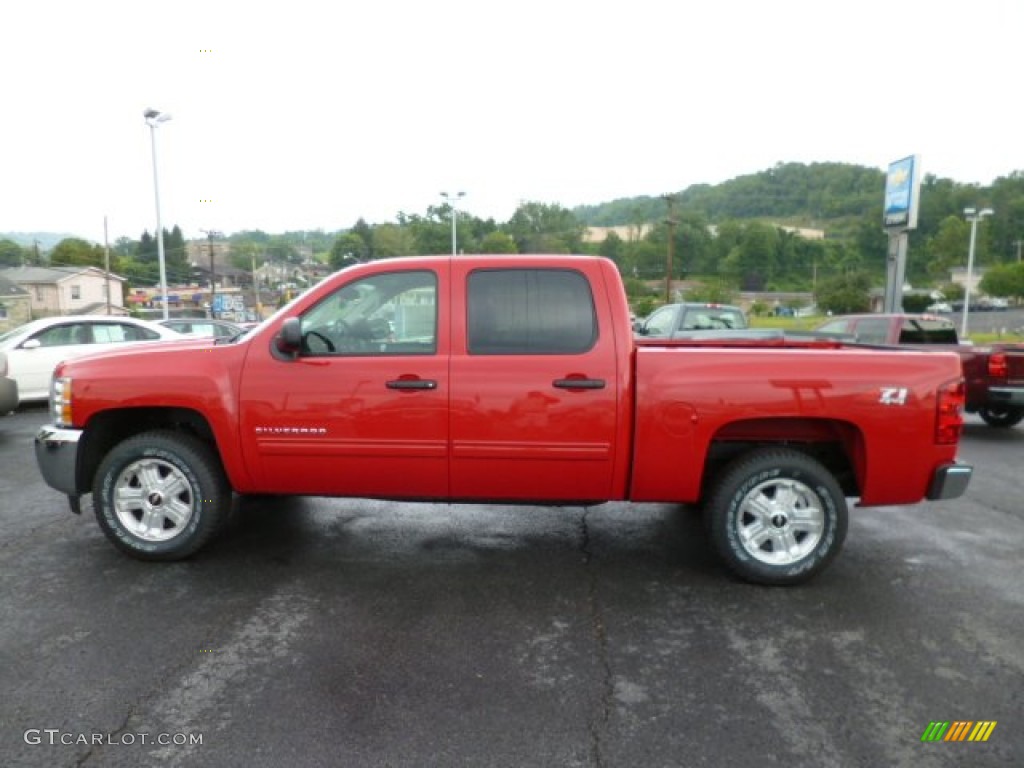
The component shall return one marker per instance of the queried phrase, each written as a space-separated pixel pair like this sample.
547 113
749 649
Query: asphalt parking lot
325 632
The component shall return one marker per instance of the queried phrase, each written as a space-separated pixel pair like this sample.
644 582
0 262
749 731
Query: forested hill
807 194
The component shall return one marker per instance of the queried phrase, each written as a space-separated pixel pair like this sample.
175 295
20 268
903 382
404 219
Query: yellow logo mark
899 176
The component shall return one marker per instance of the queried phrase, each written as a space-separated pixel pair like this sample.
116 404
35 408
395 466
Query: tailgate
1015 366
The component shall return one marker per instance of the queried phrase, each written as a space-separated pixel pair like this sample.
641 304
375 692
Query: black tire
1001 416
776 516
161 495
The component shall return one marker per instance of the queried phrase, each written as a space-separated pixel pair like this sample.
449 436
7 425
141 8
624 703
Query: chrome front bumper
57 457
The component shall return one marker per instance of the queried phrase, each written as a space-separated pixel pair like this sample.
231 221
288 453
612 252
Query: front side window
394 313
661 322
530 312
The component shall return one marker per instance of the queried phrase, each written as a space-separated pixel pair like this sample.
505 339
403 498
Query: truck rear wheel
1001 416
776 516
161 495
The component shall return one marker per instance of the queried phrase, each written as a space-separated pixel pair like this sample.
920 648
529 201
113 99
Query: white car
34 349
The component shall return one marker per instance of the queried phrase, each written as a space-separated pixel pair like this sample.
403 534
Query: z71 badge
893 396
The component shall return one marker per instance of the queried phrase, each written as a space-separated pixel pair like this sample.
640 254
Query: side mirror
289 339
32 344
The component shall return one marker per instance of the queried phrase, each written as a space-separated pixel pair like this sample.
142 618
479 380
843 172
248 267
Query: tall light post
973 216
451 199
153 118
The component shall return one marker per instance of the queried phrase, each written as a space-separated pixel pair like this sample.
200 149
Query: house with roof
14 305
71 290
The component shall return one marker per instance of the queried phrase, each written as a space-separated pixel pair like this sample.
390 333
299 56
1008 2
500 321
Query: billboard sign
902 192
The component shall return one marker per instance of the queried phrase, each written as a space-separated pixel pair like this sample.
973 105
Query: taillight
949 412
997 366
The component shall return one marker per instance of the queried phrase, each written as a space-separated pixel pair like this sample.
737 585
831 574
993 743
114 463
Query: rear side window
872 330
713 318
530 312
107 333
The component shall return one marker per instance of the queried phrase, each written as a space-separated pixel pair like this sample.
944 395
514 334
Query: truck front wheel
776 516
161 495
1001 415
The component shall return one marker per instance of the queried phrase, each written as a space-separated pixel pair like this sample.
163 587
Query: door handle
412 384
579 383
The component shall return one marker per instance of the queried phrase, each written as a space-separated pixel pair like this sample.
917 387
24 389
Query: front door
363 409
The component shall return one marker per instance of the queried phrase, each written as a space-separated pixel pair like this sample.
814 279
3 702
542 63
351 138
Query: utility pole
106 262
1017 243
670 200
210 234
256 289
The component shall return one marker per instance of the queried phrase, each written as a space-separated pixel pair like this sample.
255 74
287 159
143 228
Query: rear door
533 381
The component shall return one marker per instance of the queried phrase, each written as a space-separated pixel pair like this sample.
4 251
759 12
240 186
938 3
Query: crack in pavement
598 725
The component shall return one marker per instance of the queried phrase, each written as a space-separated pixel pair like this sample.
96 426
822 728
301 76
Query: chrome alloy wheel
153 500
780 521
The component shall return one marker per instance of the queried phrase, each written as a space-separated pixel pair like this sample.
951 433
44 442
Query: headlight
60 401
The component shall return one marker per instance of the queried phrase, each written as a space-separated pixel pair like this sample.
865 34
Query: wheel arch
109 428
838 445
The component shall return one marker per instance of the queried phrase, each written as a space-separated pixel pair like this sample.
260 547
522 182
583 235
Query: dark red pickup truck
509 379
994 373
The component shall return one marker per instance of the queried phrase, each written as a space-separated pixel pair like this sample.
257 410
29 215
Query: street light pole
973 216
450 199
153 118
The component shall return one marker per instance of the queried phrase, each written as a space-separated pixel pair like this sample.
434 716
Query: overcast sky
303 115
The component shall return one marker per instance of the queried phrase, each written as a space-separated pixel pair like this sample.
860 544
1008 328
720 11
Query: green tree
497 242
845 293
948 246
1004 280
392 240
11 254
613 247
365 231
432 233
348 249
544 228
244 253
147 248
73 251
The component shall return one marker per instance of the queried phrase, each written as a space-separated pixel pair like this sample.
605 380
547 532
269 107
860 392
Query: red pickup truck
994 373
510 379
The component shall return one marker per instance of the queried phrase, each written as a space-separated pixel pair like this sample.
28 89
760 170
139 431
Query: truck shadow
315 532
